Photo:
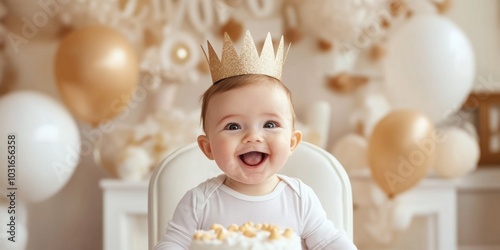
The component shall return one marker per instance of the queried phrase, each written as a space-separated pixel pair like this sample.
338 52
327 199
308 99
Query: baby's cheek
224 154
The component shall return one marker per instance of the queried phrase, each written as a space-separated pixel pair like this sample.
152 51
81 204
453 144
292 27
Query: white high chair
187 167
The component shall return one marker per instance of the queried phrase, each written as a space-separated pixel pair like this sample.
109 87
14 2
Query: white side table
433 198
125 214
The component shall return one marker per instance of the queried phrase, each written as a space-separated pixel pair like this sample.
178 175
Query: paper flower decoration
133 163
139 148
338 20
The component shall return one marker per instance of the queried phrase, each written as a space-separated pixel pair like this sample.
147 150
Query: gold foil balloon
96 71
400 150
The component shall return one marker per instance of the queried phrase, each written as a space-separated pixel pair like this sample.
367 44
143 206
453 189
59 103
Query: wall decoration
233 28
338 21
179 55
5 86
134 150
291 23
485 111
346 83
443 6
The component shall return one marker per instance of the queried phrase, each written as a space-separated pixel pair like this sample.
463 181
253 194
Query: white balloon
429 66
457 155
350 150
45 142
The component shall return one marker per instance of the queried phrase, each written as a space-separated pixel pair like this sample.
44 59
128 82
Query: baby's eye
232 126
270 124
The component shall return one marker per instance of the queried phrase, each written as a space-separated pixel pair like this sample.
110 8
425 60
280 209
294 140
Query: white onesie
291 204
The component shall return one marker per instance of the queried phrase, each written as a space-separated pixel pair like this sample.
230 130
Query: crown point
267 49
249 51
279 50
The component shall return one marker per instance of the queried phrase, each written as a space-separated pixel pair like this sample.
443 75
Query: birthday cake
246 236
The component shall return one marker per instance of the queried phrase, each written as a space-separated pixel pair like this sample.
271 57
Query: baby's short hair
239 82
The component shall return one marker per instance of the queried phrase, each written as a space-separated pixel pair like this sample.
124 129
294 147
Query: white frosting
236 240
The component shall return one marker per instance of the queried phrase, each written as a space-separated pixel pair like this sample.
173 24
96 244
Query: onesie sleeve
180 229
318 231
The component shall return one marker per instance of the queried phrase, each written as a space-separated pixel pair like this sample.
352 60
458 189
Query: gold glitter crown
249 61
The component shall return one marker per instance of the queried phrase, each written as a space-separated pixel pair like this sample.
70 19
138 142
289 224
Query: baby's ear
204 145
295 139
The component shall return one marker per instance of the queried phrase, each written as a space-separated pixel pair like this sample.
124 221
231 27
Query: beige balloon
350 150
457 154
96 71
400 150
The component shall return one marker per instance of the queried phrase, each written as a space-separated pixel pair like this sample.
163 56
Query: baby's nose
252 136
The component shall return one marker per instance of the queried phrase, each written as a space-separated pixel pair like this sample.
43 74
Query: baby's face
250 132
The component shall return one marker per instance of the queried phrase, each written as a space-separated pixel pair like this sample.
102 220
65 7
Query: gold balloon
400 150
96 71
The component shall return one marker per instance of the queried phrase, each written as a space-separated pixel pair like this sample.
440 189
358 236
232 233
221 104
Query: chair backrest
188 166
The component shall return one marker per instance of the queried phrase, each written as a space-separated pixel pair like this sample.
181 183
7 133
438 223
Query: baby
248 120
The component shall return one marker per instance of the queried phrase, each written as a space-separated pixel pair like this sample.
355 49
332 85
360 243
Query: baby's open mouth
253 158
